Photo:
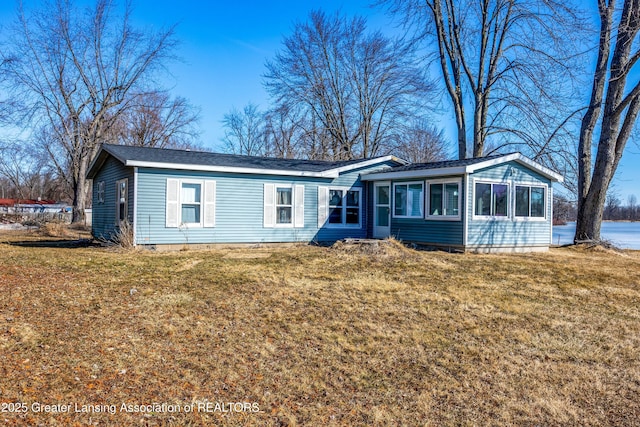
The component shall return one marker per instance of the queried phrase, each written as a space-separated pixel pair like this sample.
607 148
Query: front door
382 210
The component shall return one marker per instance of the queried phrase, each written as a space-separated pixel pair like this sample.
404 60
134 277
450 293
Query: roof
217 162
460 167
12 202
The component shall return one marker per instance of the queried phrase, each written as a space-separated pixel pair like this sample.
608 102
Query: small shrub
124 236
54 229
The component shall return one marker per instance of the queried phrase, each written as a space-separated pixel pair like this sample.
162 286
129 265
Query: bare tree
500 59
612 207
356 86
157 120
244 130
613 109
632 207
422 143
79 71
18 166
283 132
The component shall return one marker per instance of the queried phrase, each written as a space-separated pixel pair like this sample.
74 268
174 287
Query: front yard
317 336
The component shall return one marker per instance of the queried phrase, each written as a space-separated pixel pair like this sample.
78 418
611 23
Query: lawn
317 336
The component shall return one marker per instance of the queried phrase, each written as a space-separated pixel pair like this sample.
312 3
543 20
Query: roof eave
417 173
230 169
542 170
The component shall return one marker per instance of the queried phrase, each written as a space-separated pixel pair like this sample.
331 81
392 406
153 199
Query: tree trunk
617 114
80 193
589 217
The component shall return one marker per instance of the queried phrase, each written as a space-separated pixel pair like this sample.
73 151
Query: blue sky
225 44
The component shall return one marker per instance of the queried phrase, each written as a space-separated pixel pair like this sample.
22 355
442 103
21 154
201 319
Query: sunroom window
491 199
407 199
530 201
444 199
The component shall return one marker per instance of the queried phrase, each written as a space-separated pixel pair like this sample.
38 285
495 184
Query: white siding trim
323 205
551 215
298 206
269 206
466 206
135 206
172 202
209 203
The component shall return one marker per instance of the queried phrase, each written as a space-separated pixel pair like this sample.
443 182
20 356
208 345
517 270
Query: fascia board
418 173
229 169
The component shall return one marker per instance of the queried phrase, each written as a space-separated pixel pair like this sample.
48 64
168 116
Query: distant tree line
565 210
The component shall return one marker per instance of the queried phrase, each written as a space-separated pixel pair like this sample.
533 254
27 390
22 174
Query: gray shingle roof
185 157
444 164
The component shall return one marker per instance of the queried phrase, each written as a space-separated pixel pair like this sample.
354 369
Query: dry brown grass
322 336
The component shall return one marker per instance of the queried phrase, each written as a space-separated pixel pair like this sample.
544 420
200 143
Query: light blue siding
240 209
428 231
508 232
103 225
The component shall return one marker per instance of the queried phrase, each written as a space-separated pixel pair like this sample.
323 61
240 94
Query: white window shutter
209 203
269 206
323 207
298 200
173 202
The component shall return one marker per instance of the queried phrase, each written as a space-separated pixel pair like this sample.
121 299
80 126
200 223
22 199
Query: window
530 201
190 203
344 207
100 192
444 200
121 200
491 199
407 200
284 205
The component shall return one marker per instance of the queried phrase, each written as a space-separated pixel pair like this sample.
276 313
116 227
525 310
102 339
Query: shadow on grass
67 244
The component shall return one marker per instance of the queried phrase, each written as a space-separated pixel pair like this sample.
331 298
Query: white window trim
297 206
393 200
509 215
344 224
275 205
427 198
531 218
126 202
100 191
182 224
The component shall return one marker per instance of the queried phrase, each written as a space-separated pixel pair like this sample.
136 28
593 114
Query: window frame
422 201
530 185
427 199
182 224
276 186
492 216
344 207
100 192
118 202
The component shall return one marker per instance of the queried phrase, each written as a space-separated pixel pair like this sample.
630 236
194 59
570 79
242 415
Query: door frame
381 232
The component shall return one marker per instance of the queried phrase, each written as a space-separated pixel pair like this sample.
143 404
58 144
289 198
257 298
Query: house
172 198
